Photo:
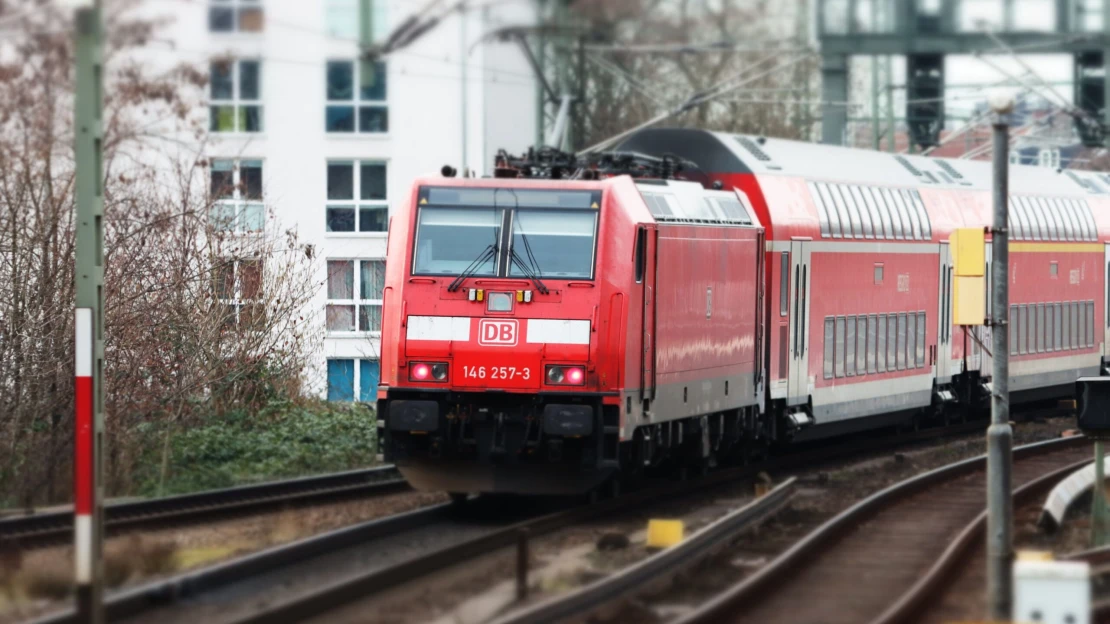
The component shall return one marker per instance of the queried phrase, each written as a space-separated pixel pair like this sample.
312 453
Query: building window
356 97
235 96
344 376
238 285
236 189
235 16
341 19
355 295
357 197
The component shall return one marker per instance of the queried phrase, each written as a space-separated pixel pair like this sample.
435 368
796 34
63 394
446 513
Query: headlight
499 302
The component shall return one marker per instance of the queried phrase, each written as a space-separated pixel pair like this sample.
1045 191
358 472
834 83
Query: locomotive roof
675 201
721 152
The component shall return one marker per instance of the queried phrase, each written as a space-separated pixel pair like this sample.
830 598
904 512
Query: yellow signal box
969 299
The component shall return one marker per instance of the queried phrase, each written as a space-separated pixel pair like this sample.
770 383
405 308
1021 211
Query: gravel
822 492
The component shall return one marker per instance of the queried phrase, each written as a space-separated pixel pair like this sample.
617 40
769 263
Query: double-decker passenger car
859 276
539 333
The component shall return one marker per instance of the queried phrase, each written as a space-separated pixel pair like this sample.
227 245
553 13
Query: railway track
42 529
355 564
877 561
656 569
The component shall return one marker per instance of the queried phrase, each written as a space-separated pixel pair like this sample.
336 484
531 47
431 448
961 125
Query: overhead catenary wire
323 34
486 79
1026 130
686 48
621 73
1067 106
722 88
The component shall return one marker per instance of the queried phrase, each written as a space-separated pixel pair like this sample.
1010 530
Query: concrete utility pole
1000 505
89 320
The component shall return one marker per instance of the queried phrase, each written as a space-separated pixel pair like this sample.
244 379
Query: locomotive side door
944 316
1106 304
798 346
646 238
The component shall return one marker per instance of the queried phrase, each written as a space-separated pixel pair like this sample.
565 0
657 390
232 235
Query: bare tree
627 87
201 316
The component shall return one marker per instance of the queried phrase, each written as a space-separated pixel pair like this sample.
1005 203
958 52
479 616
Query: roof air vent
1092 188
949 169
750 145
909 167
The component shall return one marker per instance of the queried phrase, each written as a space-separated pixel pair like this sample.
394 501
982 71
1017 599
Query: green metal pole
541 60
1100 518
875 102
875 130
89 319
464 165
890 128
365 41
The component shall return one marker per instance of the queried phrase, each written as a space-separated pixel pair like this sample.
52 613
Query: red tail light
566 375
575 375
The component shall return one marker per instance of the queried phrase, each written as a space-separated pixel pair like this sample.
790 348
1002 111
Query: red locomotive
541 334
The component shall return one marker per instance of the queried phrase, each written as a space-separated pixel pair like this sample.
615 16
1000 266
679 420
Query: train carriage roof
719 152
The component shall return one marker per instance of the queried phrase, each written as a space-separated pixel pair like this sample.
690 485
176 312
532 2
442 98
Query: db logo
497 332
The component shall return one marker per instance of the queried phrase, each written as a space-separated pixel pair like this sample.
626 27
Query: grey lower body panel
1047 379
862 408
685 399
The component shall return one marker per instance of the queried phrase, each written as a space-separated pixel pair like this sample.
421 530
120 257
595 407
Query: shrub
282 440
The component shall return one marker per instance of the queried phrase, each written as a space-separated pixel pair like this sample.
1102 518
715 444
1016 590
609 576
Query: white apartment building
330 147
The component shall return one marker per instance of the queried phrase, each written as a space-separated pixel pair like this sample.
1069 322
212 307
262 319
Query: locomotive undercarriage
697 443
566 443
465 442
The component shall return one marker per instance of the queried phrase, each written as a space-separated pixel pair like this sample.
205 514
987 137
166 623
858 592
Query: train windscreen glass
448 240
554 243
551 233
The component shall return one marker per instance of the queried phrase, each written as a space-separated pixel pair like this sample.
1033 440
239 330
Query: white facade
449 97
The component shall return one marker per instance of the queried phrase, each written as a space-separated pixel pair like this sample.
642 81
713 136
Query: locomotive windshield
506 232
560 242
449 240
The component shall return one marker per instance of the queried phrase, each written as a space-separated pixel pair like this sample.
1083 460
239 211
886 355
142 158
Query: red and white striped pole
84 465
89 285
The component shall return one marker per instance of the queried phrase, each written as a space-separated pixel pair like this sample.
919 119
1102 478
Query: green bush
283 440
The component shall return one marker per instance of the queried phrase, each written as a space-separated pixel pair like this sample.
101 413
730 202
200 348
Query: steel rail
940 573
726 605
133 602
657 568
367 585
46 528
190 586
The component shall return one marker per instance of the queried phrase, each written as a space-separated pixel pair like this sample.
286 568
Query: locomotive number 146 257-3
496 372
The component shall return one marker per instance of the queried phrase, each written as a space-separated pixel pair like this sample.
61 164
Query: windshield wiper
534 274
535 279
487 253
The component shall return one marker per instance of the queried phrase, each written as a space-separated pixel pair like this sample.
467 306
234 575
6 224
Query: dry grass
23 582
